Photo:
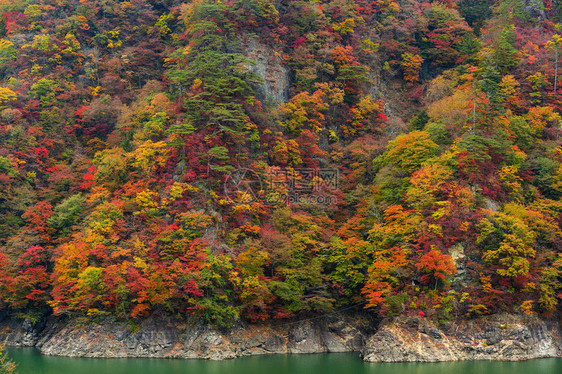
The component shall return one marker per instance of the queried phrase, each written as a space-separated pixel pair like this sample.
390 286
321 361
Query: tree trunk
556 73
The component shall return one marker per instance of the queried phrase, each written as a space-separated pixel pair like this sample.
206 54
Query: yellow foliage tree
411 64
6 96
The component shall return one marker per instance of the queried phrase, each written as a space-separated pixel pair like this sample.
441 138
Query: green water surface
29 361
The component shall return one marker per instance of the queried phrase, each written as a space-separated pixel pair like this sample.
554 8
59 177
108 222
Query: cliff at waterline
504 337
241 165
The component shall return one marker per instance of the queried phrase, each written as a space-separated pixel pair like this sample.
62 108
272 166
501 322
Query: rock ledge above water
507 337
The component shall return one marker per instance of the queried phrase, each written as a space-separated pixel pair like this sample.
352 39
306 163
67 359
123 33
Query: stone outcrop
508 338
269 66
505 338
166 338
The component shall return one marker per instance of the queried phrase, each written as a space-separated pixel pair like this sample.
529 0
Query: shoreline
406 339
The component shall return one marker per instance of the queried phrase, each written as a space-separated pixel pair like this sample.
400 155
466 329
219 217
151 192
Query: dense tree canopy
412 165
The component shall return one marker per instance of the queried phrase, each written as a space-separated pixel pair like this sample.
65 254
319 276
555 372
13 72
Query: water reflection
31 362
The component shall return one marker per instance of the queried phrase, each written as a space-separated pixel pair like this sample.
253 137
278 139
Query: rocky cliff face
406 339
164 337
18 333
270 68
505 338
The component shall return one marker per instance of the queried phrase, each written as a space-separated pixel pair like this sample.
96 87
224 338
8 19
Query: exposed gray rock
18 333
406 339
270 68
160 336
506 338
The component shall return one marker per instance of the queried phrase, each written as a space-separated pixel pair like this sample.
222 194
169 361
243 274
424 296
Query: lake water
31 362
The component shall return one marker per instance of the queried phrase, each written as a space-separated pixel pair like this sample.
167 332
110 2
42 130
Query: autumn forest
422 140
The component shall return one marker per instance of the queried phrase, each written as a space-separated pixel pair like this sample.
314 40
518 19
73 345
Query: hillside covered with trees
431 131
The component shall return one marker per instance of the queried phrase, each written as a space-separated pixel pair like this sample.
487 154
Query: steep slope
251 160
